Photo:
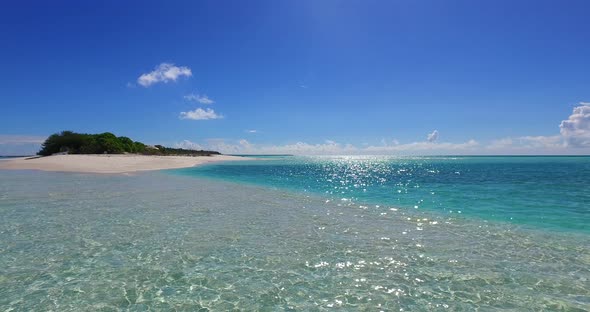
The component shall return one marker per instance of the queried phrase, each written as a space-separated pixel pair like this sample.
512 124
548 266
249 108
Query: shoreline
113 163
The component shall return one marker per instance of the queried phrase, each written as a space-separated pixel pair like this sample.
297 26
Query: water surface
551 193
164 241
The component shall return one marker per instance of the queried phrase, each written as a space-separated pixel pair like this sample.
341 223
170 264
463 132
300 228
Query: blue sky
308 77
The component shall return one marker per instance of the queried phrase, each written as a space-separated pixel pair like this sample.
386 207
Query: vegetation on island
107 143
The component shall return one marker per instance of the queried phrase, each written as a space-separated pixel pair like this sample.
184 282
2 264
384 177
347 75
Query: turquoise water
198 241
544 192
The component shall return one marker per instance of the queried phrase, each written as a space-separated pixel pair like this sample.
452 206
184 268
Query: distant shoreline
111 163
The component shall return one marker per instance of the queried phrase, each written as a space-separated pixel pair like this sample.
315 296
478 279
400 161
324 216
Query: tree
127 144
66 141
82 143
139 147
109 143
51 145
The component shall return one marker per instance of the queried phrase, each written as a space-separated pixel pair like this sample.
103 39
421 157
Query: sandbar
111 163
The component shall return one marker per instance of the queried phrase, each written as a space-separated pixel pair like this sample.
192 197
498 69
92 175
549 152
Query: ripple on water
154 241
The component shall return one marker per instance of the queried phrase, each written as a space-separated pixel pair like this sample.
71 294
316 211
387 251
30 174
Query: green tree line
82 143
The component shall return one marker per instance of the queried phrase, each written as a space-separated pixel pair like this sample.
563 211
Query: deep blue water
543 192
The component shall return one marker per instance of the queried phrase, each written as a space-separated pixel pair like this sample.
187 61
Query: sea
295 233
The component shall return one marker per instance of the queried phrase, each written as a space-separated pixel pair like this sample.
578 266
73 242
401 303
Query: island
69 142
69 151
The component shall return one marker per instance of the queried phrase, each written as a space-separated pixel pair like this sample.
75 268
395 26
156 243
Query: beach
119 163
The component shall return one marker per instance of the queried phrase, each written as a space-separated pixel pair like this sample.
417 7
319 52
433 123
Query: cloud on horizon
186 144
20 144
574 132
21 139
200 114
526 145
165 72
573 137
330 147
576 129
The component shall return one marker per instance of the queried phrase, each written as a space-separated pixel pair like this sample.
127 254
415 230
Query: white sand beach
111 163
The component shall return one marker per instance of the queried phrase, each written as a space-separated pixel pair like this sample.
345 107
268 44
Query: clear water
545 192
172 241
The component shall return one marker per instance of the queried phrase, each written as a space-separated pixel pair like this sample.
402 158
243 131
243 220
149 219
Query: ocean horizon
301 233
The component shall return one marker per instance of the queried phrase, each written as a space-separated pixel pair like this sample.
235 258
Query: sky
300 77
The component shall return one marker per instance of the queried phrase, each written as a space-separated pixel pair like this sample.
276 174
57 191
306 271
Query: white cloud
203 99
252 131
224 147
424 148
528 145
554 141
501 143
576 129
200 114
186 144
245 143
300 148
575 132
524 145
164 72
574 138
330 147
303 148
432 137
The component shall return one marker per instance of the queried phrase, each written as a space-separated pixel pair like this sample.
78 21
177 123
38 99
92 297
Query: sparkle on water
161 241
547 192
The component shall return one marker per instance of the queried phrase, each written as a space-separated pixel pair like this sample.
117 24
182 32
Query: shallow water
549 193
156 241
